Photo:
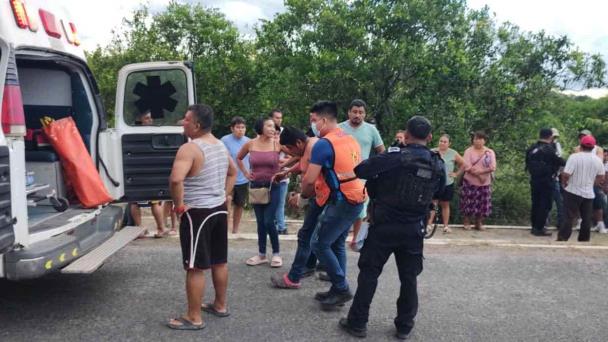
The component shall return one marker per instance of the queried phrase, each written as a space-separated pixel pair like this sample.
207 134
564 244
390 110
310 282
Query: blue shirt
323 154
366 134
234 146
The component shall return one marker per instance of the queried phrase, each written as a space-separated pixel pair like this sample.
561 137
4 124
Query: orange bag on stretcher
78 166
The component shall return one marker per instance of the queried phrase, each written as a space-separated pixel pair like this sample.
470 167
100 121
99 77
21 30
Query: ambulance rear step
94 259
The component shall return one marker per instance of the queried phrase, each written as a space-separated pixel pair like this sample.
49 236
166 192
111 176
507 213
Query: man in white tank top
203 173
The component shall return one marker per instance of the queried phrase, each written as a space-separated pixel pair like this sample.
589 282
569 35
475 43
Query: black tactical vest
408 187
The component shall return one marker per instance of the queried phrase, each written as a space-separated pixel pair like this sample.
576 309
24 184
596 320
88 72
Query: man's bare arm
239 159
379 149
181 167
230 176
308 180
565 178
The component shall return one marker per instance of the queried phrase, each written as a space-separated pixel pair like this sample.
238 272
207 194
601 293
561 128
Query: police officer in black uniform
542 162
401 184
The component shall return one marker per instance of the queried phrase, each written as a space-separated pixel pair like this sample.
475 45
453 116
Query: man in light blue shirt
233 143
369 138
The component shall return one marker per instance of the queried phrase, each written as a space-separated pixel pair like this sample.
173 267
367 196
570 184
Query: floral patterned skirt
475 201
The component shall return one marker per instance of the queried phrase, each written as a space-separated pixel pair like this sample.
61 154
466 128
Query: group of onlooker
577 185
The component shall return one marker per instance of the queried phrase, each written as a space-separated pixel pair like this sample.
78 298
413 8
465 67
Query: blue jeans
280 218
329 238
265 215
303 252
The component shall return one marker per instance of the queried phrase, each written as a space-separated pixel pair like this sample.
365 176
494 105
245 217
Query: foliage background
436 58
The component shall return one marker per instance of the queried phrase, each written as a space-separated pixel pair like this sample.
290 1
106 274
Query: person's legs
445 213
135 213
535 209
280 214
219 274
371 261
302 259
195 289
359 221
259 210
339 249
239 200
335 219
586 210
559 203
432 214
237 214
541 204
270 212
157 213
571 212
466 223
409 267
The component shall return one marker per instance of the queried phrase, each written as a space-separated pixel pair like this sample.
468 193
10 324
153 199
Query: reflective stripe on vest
347 155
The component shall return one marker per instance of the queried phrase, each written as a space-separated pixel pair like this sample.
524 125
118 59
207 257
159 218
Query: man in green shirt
369 138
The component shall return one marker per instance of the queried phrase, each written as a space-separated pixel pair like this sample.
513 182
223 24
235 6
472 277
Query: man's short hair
326 109
291 135
237 120
203 114
419 127
258 127
357 103
545 133
274 110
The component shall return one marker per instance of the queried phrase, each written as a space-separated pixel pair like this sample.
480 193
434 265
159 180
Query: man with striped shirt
203 173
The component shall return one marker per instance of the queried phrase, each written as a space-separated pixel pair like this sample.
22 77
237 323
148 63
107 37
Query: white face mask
315 131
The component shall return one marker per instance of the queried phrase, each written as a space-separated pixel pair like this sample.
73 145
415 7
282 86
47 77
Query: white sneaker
600 226
603 230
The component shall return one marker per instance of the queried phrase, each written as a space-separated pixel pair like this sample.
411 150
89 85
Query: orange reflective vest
347 155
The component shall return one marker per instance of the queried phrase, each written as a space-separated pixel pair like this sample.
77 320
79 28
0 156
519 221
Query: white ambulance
43 72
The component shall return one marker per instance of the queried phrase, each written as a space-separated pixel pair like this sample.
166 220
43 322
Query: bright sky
584 21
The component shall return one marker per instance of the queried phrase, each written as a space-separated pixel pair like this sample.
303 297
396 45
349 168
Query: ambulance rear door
137 153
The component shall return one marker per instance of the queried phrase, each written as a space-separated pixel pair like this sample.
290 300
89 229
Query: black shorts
240 194
447 194
210 243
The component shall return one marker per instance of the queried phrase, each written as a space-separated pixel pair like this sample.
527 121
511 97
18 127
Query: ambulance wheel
59 203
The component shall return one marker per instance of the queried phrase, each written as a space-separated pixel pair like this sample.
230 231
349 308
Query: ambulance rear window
155 98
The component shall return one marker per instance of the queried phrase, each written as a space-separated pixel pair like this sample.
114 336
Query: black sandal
185 325
210 308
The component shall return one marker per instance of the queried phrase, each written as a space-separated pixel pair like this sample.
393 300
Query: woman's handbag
259 195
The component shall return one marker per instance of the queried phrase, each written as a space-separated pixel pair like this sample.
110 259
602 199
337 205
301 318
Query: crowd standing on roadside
342 167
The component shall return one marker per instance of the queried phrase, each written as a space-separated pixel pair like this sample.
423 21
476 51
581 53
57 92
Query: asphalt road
466 294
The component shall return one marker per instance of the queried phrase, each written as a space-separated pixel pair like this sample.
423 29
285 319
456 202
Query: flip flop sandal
210 308
276 261
159 235
185 325
172 233
256 260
